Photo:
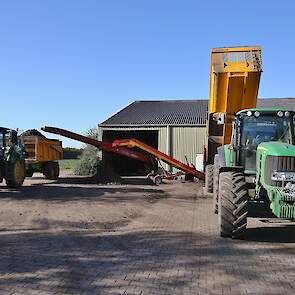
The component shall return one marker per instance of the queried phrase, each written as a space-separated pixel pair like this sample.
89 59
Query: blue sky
73 63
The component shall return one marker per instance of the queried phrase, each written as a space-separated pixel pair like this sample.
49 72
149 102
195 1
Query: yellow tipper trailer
234 82
42 155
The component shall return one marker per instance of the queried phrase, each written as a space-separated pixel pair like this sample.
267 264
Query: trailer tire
150 175
29 173
157 180
209 179
16 174
233 200
215 183
51 170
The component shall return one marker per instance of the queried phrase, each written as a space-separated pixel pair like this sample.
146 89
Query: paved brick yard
74 237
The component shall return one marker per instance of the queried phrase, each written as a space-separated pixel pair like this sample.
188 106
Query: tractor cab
12 164
255 126
8 138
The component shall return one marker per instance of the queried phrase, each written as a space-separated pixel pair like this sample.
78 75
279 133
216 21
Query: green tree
90 160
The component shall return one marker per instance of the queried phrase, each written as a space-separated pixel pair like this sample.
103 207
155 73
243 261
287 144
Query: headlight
283 176
256 114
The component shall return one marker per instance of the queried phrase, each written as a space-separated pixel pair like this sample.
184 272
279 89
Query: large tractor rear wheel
51 170
209 179
16 174
233 199
215 183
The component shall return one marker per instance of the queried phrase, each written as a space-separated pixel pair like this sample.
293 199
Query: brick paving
171 248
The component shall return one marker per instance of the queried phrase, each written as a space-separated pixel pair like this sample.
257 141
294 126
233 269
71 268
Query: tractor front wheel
232 209
16 174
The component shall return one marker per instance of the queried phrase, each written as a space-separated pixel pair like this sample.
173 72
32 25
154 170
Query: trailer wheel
29 170
233 199
29 173
57 170
16 174
51 170
150 175
215 183
157 180
209 179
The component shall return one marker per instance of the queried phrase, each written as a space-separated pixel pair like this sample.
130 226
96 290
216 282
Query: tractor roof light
249 113
280 114
256 114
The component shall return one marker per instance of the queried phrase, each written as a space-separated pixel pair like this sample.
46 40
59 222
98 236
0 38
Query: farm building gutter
148 125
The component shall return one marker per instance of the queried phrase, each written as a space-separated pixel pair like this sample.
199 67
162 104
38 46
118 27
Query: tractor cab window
260 129
8 138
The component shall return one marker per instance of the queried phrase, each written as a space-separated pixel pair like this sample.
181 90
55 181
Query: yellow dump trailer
234 81
42 155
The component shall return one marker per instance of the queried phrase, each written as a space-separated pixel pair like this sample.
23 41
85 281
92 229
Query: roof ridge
276 98
171 100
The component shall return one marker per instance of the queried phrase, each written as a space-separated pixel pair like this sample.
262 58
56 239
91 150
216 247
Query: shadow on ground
94 180
58 192
85 189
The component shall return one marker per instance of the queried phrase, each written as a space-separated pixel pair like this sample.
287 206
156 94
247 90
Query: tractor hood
276 148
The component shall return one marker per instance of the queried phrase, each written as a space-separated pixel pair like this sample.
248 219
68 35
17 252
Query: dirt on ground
73 236
75 202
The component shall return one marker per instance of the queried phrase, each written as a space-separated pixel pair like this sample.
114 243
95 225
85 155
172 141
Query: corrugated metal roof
277 102
163 112
175 112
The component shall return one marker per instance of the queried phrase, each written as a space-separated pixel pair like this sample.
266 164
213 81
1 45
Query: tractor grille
275 163
287 211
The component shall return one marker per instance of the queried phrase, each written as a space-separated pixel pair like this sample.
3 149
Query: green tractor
12 158
256 170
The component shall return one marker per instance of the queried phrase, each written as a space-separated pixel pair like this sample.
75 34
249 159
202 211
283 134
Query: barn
175 127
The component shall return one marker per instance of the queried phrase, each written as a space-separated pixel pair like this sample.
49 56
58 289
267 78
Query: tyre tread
233 199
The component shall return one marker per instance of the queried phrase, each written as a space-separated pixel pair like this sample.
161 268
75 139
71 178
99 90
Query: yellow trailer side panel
42 150
234 82
234 79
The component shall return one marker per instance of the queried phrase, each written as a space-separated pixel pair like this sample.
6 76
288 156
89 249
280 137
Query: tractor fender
222 160
221 154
